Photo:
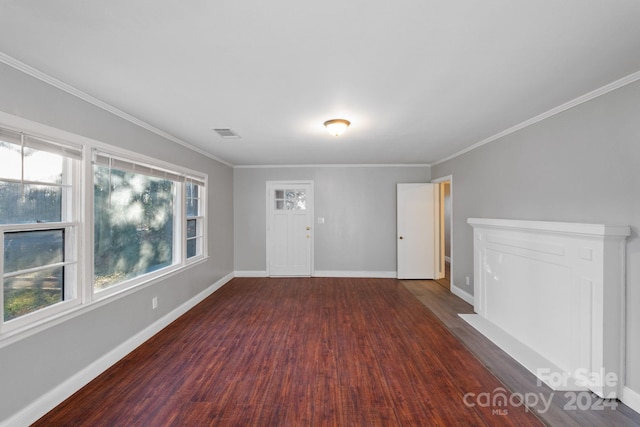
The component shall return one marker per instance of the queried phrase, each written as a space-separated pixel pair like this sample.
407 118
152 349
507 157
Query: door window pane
296 200
290 200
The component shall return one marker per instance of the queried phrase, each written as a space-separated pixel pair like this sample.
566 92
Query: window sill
15 335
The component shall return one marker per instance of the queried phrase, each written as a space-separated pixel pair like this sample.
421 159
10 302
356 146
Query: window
141 219
136 217
133 220
38 226
290 200
195 224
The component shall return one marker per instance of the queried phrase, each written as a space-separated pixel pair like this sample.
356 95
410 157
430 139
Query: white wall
582 165
358 204
33 366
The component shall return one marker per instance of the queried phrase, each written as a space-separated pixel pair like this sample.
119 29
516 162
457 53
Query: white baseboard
257 273
523 354
328 273
467 297
370 274
631 399
57 395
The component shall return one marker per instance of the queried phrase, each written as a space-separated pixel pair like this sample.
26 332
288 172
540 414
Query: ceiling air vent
226 133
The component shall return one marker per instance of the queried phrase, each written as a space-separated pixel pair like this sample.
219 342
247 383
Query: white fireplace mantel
552 295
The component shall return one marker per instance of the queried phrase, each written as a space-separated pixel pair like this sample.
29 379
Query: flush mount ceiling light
337 126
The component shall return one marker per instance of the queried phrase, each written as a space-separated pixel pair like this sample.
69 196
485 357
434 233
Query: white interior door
418 231
289 233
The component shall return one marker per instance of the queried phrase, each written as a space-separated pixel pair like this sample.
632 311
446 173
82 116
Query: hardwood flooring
297 352
563 410
446 280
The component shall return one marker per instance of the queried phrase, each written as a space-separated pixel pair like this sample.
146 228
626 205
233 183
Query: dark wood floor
298 352
562 411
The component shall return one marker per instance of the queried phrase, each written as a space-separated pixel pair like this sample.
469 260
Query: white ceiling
419 79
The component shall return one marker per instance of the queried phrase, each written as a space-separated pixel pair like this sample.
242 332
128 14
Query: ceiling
419 80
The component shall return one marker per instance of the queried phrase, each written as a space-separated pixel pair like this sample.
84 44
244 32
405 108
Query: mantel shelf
553 227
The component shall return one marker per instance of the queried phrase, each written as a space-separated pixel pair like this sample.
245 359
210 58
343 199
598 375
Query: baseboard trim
631 398
523 354
369 274
57 395
256 273
467 297
327 273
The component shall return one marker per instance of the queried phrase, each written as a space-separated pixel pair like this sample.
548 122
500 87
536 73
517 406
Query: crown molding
27 69
20 66
557 110
354 165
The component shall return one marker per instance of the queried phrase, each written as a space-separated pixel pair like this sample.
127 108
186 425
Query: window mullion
37 226
29 182
39 268
1 279
67 199
181 224
86 247
22 164
202 211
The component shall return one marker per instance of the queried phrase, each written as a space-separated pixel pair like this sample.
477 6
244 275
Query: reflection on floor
446 281
563 409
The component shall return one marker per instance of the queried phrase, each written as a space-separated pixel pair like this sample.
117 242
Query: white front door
289 233
418 231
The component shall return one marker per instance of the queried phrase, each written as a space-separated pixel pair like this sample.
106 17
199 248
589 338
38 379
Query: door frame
449 179
269 185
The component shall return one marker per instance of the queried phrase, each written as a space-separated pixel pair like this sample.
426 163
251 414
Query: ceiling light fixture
336 127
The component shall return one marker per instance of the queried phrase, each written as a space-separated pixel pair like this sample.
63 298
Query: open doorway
446 231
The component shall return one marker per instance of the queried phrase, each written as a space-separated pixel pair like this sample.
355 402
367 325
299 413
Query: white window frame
147 166
200 219
72 236
79 231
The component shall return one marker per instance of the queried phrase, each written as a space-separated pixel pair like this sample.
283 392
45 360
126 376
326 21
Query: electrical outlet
154 302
